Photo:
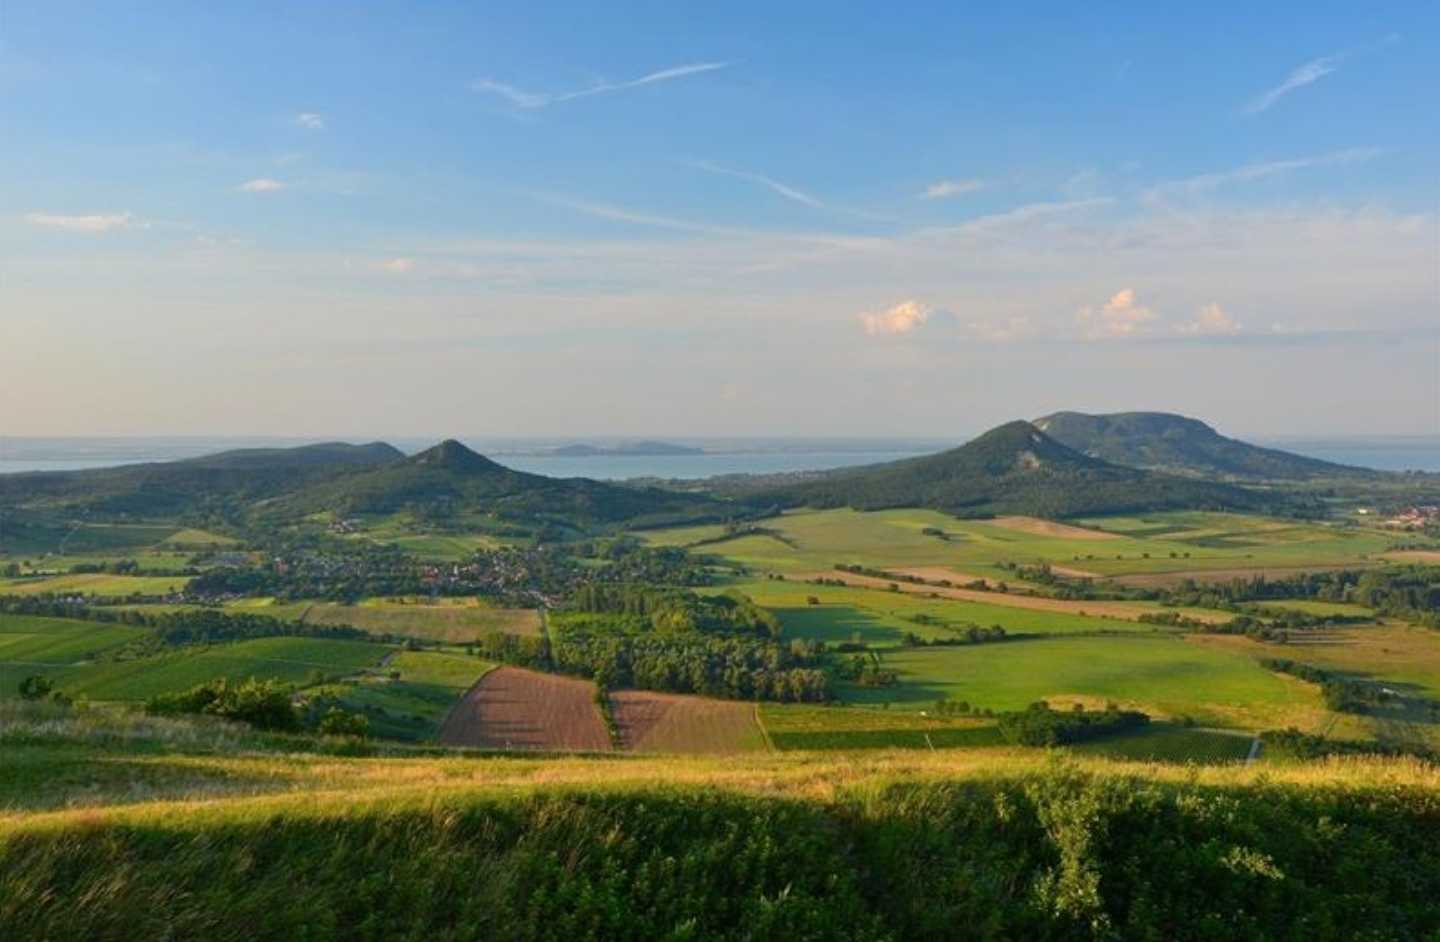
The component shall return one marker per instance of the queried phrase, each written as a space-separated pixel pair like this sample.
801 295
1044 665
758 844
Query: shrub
338 722
262 704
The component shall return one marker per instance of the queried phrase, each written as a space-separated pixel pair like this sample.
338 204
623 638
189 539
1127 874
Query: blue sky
480 219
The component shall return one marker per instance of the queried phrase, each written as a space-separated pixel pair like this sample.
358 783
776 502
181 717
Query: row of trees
1409 592
1340 693
1039 725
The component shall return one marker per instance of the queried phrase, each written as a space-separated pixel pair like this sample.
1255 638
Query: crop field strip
95 584
513 708
454 622
667 722
1104 609
292 660
1160 543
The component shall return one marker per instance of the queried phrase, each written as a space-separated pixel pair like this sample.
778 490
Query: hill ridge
1012 468
1165 441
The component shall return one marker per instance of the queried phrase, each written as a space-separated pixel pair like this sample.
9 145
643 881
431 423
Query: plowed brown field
512 708
667 722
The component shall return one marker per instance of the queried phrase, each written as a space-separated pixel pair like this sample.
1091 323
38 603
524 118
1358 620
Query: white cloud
900 319
1121 316
92 223
310 120
262 185
943 189
523 99
398 266
1211 321
1311 71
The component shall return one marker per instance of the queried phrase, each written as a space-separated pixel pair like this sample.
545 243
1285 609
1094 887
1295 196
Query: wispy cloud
943 189
526 99
261 185
397 266
1024 213
637 217
96 223
1310 72
310 120
1258 171
789 192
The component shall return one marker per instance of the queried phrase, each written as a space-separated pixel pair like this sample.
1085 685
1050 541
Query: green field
95 584
200 538
1405 657
1158 543
412 705
291 660
447 620
1162 675
1313 607
146 561
881 618
62 536
792 726
1163 742
52 646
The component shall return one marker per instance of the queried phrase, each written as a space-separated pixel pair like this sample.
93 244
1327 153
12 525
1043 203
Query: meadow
290 660
881 618
188 841
791 727
52 647
1179 542
94 584
454 621
411 697
1165 676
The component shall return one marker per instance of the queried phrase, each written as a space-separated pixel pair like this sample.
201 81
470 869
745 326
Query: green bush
338 722
264 704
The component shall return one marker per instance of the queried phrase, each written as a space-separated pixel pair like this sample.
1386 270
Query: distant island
645 449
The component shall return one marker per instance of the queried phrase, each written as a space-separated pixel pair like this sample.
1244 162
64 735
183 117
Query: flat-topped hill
1013 469
1177 444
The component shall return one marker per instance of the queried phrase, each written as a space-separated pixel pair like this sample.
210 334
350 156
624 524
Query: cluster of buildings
1413 518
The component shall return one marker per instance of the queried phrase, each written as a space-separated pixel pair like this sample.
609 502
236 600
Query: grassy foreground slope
988 844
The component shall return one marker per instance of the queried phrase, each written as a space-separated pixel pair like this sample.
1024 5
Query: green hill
1173 443
1013 469
450 480
174 488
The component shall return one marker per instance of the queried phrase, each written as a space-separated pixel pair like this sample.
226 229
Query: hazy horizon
725 222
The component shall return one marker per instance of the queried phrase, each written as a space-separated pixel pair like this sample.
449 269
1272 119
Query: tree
35 687
338 722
